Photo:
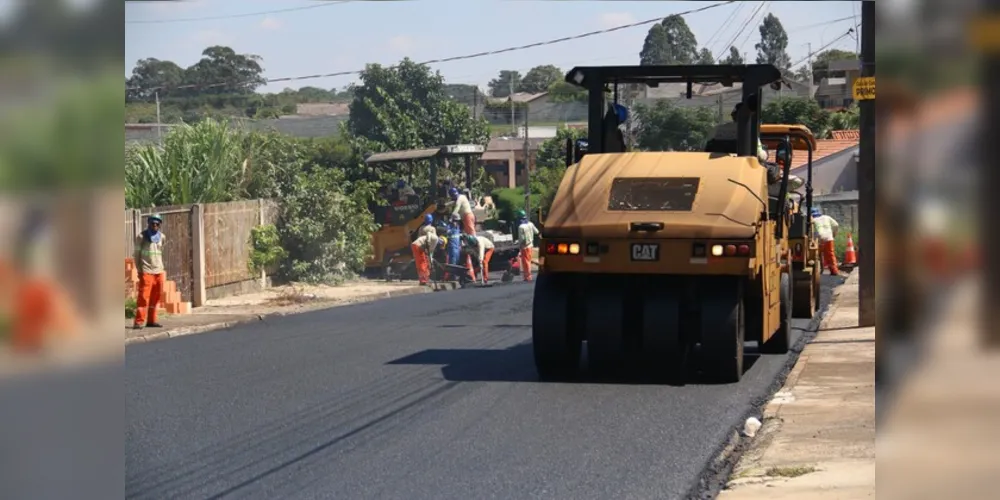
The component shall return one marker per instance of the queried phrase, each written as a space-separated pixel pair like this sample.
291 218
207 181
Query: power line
821 49
459 58
714 39
817 25
742 29
234 16
756 24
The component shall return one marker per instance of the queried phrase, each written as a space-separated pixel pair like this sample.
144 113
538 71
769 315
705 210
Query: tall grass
203 163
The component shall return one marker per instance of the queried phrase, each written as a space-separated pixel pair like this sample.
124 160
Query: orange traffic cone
850 256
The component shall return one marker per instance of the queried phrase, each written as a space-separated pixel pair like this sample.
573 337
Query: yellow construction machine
655 258
805 262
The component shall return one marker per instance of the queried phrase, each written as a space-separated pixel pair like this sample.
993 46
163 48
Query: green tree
540 78
562 91
669 42
799 110
848 119
239 73
734 57
504 82
465 93
821 63
326 227
705 57
773 46
667 127
551 162
406 107
149 74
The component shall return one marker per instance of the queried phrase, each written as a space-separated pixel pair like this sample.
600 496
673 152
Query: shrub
130 307
266 253
325 227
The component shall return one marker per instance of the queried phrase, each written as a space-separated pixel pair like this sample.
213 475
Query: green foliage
551 166
848 119
734 57
562 91
773 45
504 82
130 308
669 42
705 57
406 107
799 110
204 163
509 200
326 227
540 78
66 141
266 253
667 127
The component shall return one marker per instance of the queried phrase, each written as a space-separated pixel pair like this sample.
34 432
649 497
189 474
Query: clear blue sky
345 36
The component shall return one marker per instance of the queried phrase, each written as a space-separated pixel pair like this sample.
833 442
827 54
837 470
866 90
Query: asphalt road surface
427 396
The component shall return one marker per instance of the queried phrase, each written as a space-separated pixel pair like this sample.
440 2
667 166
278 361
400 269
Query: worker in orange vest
152 273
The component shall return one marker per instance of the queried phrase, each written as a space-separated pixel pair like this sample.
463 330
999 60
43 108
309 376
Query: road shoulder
818 437
282 301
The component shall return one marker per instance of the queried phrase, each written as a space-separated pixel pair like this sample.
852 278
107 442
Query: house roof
519 97
824 148
501 144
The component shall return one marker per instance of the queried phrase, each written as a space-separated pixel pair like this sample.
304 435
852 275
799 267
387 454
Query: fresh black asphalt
426 396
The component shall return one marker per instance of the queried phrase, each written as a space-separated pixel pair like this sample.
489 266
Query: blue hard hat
816 212
400 184
429 219
621 112
453 192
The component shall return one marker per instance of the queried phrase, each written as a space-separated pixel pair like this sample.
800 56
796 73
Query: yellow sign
864 88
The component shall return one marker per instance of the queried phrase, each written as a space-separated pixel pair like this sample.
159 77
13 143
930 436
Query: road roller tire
556 345
663 356
606 354
804 297
723 330
780 342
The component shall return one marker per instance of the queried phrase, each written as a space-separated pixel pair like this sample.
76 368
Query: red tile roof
846 135
824 148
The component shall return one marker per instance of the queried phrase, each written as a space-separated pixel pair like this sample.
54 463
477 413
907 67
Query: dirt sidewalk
291 299
818 438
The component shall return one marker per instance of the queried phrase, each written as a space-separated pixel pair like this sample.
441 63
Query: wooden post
198 285
260 222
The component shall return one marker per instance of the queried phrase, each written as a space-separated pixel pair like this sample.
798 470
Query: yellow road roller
654 259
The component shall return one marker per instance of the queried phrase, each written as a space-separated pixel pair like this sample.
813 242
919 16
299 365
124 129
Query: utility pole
527 165
989 135
812 70
513 122
159 127
867 176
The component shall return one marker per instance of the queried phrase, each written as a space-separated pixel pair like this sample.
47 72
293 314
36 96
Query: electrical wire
714 40
234 16
756 24
817 25
740 32
457 58
821 49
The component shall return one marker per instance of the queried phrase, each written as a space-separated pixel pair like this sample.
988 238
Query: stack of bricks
131 279
170 298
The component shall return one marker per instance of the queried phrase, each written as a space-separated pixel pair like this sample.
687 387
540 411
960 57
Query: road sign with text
864 88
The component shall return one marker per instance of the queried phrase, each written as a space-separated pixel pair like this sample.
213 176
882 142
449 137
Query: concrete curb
718 472
194 330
